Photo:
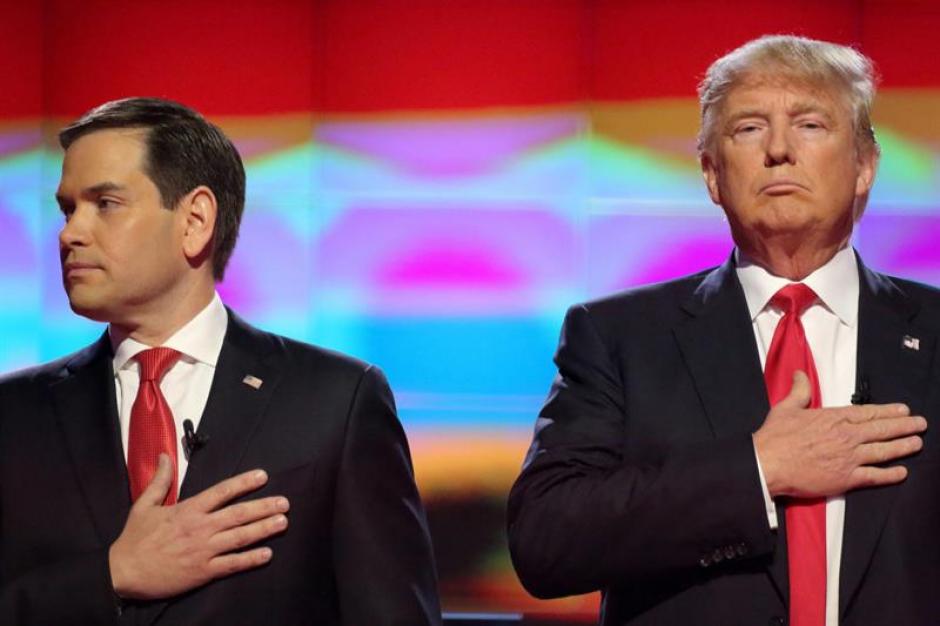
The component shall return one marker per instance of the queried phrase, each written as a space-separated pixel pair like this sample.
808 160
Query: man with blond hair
750 444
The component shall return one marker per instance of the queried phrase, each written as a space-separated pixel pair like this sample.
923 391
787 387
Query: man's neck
154 327
795 261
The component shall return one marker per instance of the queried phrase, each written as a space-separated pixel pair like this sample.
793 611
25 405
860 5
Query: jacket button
717 555
741 549
729 552
705 561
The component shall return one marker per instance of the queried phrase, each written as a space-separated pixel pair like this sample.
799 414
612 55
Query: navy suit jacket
357 549
642 480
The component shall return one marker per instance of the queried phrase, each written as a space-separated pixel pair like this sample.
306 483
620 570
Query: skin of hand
824 452
166 550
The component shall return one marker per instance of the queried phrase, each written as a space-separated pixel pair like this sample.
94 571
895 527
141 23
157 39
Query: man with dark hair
188 468
745 445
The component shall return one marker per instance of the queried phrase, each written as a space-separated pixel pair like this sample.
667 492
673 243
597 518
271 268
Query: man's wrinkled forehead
803 91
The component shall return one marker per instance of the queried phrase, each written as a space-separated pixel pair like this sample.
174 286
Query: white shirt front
186 384
831 326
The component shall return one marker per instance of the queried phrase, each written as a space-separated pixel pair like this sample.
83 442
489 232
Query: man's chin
94 311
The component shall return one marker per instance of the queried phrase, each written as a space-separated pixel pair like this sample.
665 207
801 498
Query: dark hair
183 151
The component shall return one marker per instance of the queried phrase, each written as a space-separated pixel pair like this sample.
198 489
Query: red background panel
662 49
21 44
903 38
219 56
428 54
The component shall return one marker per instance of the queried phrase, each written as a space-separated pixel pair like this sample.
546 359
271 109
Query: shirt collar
199 340
836 284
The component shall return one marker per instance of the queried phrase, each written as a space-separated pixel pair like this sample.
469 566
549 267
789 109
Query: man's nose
780 147
77 229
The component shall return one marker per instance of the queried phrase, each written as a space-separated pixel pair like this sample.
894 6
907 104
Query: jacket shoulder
656 303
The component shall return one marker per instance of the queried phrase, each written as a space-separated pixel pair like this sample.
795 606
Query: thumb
159 486
800 393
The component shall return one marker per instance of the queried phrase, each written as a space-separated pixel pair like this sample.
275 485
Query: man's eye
107 203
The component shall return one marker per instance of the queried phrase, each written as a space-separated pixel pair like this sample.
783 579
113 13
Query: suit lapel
894 373
732 390
86 410
233 412
234 408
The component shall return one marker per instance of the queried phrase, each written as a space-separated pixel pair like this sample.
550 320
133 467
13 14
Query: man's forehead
794 91
103 155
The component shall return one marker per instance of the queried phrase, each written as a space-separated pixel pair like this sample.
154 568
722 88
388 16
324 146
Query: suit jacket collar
84 404
718 346
890 369
235 407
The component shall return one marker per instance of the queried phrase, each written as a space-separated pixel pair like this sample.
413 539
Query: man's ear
868 160
199 210
710 174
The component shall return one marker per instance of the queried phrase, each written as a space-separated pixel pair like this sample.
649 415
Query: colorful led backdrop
431 184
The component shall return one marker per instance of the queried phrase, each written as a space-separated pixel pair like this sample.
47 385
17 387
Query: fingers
247 512
868 476
884 451
888 428
229 489
869 412
231 563
159 486
800 393
241 536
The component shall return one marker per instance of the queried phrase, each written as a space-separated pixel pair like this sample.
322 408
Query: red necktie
806 518
152 429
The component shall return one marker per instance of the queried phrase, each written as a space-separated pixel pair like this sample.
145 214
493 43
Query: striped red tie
806 518
152 429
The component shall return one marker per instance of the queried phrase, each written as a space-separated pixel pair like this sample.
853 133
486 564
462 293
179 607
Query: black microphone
862 394
192 441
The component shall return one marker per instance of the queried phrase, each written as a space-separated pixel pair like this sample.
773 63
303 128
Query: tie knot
794 298
155 362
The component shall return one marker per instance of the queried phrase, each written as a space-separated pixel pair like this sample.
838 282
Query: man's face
120 249
784 164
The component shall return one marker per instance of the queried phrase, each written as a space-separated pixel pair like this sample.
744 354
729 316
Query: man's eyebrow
801 108
94 190
101 188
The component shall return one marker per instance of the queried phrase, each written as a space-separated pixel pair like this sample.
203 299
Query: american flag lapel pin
252 381
910 343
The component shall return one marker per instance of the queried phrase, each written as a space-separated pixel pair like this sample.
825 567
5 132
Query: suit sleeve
76 590
584 517
382 553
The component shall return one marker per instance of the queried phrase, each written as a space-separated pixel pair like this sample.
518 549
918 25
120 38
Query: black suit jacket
356 552
642 479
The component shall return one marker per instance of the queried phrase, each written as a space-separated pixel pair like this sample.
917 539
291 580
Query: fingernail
266 554
260 476
280 521
282 504
922 422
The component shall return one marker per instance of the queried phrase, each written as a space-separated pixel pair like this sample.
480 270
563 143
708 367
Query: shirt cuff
769 505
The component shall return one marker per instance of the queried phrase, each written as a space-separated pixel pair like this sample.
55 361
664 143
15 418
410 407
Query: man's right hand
825 452
166 550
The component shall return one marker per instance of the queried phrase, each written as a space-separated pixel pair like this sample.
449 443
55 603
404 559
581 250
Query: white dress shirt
831 326
186 384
